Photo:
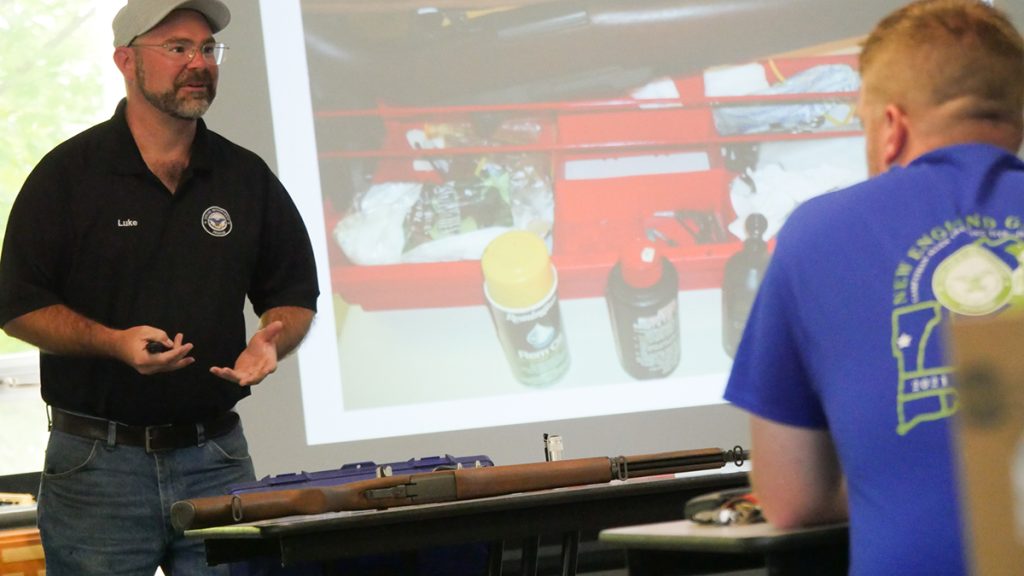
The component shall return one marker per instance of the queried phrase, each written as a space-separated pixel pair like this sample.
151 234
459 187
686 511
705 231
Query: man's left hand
257 360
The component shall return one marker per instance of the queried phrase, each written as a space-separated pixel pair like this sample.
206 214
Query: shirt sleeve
286 270
37 228
770 376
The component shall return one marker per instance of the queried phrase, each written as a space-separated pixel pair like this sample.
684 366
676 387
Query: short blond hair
933 52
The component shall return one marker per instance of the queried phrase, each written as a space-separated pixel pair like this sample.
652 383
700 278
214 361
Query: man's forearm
296 322
60 330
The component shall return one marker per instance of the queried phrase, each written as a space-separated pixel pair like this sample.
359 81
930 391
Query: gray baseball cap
140 16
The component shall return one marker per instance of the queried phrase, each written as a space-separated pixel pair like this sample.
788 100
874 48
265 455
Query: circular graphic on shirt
972 281
216 221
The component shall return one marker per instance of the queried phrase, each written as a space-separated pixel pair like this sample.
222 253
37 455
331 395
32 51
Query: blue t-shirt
847 333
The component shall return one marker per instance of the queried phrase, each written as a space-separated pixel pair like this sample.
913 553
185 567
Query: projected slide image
442 133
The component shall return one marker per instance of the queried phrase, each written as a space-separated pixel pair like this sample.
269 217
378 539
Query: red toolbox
593 216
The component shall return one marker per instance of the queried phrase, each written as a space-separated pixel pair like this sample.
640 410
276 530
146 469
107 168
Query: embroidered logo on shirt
969 266
973 281
217 221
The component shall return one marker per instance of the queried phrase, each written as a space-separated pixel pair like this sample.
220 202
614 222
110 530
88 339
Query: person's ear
896 137
124 59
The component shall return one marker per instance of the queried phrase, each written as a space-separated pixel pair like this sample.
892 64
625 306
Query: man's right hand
136 348
59 330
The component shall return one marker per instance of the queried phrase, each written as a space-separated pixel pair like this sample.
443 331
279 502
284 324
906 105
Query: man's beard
168 102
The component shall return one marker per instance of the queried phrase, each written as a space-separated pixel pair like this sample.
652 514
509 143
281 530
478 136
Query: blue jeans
105 510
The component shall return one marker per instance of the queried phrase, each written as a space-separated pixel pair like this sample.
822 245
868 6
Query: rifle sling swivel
236 508
620 468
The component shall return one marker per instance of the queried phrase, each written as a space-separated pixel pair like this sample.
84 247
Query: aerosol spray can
643 303
521 287
743 274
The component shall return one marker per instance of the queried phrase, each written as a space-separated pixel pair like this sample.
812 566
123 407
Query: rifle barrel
684 461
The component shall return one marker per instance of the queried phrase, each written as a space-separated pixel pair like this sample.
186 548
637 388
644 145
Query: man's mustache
196 77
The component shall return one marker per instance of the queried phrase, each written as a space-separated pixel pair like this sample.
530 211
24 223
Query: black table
682 547
522 518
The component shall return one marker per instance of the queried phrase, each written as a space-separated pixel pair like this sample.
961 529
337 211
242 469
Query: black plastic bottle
643 303
743 274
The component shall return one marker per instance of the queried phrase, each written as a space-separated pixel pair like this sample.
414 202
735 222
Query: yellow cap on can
517 269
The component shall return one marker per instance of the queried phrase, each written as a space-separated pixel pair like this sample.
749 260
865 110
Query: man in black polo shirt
128 257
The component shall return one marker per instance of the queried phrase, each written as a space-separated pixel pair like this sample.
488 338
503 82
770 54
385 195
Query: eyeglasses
184 52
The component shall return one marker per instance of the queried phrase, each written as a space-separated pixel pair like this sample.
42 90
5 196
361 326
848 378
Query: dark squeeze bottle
643 303
743 274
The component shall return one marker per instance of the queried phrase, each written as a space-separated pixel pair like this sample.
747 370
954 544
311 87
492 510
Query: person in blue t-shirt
842 364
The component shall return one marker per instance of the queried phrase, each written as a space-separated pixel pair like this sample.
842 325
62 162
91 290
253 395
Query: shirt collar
124 153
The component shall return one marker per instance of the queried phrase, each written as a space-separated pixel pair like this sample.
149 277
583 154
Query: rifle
441 486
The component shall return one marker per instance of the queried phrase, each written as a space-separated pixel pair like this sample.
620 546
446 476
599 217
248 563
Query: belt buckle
148 437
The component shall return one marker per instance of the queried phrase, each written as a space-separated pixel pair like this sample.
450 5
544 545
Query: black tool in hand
155 347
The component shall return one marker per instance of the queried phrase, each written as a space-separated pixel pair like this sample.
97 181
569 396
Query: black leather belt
152 438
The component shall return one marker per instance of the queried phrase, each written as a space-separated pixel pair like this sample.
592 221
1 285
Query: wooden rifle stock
441 486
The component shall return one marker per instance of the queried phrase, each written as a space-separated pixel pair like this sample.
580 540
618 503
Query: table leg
495 551
531 547
570 552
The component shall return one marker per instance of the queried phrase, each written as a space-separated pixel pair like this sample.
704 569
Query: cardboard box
990 436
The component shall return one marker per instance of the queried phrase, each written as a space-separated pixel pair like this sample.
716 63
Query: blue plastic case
360 471
463 560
